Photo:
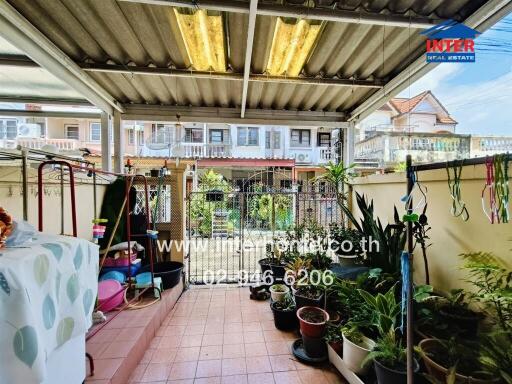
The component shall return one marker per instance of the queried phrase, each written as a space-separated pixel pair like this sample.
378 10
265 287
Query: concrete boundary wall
449 235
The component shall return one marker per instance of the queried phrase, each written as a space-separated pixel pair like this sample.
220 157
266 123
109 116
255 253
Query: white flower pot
354 354
277 295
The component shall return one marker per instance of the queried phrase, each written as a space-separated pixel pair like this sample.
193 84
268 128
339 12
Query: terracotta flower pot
313 321
440 373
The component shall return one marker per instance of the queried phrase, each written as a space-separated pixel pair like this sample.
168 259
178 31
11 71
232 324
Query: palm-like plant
496 356
337 175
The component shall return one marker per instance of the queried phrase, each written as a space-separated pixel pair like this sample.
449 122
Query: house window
216 136
8 129
324 139
300 138
140 137
95 132
193 135
131 136
247 136
272 140
72 132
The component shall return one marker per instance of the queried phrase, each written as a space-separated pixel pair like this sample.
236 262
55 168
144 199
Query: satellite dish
164 138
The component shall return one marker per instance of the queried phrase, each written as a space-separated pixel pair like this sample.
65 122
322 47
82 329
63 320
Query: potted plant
457 311
453 361
334 337
284 313
313 321
278 292
495 355
390 360
348 244
295 269
356 348
308 295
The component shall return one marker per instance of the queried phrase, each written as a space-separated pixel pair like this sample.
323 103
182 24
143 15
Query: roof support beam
70 115
327 14
154 71
43 100
232 116
17 61
482 19
23 35
248 54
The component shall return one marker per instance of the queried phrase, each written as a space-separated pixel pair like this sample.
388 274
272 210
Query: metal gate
228 229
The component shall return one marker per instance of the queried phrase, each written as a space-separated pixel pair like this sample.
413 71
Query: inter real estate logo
450 42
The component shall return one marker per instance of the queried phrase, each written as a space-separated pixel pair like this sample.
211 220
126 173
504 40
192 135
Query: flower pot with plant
278 292
454 361
334 337
356 348
348 244
284 310
313 321
309 296
457 311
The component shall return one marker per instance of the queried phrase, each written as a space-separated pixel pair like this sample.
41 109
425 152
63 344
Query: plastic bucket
110 295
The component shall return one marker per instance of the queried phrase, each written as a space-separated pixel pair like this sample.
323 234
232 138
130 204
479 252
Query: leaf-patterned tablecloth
47 295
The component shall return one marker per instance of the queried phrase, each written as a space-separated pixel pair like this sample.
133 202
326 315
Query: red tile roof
406 105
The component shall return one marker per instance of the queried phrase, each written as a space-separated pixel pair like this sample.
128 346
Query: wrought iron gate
227 231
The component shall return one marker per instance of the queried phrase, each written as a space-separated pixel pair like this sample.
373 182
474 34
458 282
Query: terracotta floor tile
106 368
137 373
208 380
253 337
194 330
334 377
252 326
185 370
261 378
210 352
191 341
255 349
183 381
178 320
234 379
258 364
95 349
282 363
164 355
267 325
174 330
156 372
170 342
212 339
278 347
233 328
286 377
312 376
117 349
187 354
273 335
213 327
233 350
129 334
209 368
233 338
233 367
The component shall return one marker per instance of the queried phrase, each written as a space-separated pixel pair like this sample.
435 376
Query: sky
478 95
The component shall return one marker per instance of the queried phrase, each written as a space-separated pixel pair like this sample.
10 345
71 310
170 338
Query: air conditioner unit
303 158
29 130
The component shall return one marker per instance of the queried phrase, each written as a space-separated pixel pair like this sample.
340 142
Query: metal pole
61 201
410 246
25 183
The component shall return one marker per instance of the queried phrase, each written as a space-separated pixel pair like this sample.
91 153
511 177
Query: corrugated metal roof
125 33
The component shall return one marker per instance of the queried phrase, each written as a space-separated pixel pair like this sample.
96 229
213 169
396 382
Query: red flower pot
313 321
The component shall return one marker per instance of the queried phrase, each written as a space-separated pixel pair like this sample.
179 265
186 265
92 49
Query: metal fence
227 231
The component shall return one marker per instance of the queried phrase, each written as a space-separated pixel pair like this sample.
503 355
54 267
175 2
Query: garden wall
449 235
12 200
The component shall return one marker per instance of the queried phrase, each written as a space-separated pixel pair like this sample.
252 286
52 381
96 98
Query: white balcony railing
326 154
38 143
201 150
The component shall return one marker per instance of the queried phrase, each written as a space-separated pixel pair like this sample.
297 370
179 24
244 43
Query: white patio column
349 144
119 147
106 152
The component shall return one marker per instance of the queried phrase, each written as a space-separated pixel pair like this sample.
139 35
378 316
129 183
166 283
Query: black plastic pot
267 264
302 301
314 346
468 324
169 271
264 265
284 320
387 375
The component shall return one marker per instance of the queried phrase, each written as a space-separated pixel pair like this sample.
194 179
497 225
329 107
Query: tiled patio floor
219 336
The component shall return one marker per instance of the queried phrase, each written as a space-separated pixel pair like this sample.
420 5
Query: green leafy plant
389 351
496 356
352 332
333 334
344 236
492 285
337 175
287 304
420 230
385 309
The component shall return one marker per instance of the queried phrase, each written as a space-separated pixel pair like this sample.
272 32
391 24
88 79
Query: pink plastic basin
110 295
